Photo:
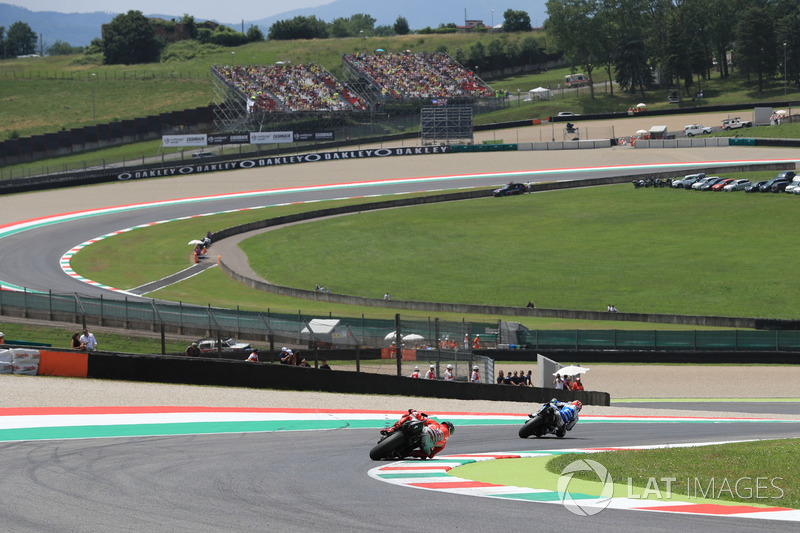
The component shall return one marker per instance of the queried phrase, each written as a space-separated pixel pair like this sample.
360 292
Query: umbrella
412 337
195 241
390 336
379 50
642 132
571 370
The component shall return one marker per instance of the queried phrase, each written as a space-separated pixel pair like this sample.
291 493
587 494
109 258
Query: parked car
779 185
792 187
702 181
755 187
226 345
689 181
710 183
721 184
511 189
734 123
767 187
203 155
737 185
696 129
680 183
568 114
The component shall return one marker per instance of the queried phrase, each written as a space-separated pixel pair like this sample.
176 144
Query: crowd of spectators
418 76
286 87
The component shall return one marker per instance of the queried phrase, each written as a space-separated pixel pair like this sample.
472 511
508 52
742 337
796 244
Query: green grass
702 255
771 461
59 337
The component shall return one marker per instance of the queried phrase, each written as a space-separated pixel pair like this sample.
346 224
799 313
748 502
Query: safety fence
730 340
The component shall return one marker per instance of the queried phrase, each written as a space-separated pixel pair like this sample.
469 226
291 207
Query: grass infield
766 471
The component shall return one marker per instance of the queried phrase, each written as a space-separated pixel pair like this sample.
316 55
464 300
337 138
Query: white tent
325 330
539 93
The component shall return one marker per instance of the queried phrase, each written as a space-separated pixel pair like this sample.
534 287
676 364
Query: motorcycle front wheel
530 427
388 445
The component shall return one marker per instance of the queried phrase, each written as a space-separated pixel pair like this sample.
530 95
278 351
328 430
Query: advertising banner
269 137
229 138
171 141
314 136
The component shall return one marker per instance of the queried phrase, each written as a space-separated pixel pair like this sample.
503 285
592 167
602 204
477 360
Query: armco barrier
202 371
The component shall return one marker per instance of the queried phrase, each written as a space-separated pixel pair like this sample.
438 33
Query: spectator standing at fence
88 340
325 365
448 373
475 376
529 379
192 350
76 341
567 383
558 383
431 373
253 357
500 377
415 373
577 385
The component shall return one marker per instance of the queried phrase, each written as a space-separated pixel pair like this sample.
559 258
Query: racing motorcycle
542 423
400 443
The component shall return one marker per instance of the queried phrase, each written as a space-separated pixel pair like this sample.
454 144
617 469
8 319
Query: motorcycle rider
434 438
412 414
568 413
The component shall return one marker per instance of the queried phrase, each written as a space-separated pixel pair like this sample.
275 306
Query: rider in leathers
568 413
434 434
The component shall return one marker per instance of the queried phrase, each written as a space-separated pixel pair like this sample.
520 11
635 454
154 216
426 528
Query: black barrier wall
222 373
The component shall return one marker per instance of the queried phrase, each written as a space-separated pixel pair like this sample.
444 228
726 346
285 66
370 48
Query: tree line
681 41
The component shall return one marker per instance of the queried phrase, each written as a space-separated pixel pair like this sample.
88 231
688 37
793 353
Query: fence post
50 304
101 308
398 343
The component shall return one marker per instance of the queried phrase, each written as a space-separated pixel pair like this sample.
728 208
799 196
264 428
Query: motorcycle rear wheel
388 445
531 427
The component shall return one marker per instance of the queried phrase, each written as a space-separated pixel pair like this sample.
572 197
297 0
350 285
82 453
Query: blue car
511 189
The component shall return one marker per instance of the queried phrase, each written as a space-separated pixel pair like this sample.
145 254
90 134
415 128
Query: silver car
737 185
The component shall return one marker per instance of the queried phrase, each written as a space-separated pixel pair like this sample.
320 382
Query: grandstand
257 97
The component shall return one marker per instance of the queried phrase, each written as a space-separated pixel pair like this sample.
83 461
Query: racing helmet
578 405
450 427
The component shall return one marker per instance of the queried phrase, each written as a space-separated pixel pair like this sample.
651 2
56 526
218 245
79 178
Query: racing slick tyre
561 432
531 427
388 445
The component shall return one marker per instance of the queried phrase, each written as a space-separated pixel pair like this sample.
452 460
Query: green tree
340 27
528 50
787 37
254 34
20 40
3 41
189 25
130 39
576 29
227 36
516 21
401 26
60 48
298 28
755 43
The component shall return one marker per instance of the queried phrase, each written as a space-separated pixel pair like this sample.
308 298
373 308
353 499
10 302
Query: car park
755 187
511 189
721 184
737 185
691 130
